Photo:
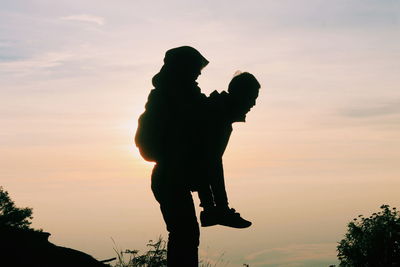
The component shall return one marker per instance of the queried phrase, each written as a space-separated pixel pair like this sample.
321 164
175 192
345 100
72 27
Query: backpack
149 134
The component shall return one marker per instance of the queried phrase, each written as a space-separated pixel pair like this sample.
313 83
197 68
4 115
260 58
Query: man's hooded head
185 57
181 65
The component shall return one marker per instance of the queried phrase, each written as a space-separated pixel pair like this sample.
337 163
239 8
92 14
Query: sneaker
231 218
223 216
208 217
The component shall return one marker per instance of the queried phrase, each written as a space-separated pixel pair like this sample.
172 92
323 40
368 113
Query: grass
156 256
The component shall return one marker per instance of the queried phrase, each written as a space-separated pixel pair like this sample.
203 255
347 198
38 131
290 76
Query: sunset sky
321 146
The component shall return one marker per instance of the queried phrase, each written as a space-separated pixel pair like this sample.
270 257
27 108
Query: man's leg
183 241
179 214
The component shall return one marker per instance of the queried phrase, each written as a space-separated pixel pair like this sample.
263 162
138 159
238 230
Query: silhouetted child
223 109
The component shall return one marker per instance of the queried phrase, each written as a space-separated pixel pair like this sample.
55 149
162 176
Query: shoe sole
237 227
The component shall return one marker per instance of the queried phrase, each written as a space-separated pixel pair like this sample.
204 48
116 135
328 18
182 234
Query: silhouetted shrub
10 215
156 256
372 241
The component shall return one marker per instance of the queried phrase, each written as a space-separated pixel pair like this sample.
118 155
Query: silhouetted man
167 135
186 134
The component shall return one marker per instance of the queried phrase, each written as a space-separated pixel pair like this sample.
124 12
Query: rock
31 248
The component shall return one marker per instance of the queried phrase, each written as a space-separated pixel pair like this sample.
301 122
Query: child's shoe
229 217
209 217
223 216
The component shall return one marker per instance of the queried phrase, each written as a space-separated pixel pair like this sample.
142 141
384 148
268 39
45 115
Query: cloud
294 255
383 109
5 44
85 18
44 61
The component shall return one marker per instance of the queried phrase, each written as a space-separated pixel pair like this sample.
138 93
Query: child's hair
242 81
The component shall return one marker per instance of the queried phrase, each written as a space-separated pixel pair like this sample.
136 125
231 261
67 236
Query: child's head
243 89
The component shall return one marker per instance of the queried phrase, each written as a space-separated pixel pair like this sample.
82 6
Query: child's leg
208 217
224 215
217 183
205 196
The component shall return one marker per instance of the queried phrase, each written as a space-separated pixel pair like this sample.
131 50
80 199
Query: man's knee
186 240
185 236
